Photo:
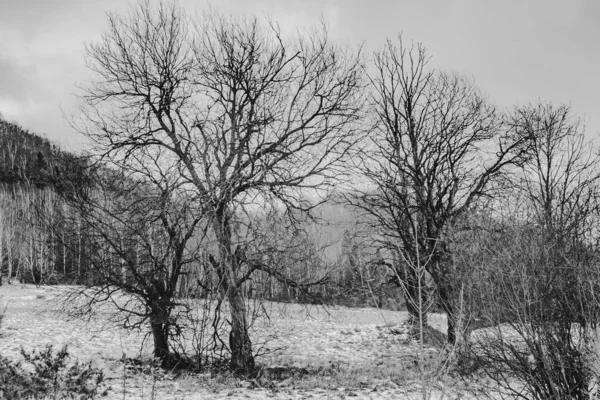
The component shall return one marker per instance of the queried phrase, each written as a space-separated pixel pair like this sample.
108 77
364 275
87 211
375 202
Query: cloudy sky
516 50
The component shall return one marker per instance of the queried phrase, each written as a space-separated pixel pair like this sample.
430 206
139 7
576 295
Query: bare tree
10 233
537 283
246 116
540 309
560 180
140 239
437 146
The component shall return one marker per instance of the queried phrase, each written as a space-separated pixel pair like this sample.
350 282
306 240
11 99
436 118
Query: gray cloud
15 81
516 51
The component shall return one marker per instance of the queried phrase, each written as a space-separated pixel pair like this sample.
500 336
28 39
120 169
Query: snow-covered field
369 349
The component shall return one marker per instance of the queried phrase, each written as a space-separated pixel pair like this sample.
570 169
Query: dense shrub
536 296
48 372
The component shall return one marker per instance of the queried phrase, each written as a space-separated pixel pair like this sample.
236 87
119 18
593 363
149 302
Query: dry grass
306 352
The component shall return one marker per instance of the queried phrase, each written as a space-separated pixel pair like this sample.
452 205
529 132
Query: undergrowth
46 373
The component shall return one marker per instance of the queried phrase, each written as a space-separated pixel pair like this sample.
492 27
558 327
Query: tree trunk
64 252
417 310
445 294
160 334
10 260
242 359
79 248
159 323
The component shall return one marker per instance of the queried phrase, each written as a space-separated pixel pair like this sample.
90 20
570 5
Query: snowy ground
368 347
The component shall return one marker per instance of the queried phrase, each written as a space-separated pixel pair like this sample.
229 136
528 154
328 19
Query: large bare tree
246 116
538 266
140 238
436 147
560 179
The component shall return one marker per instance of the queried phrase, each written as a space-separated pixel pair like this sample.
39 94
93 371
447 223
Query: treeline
44 240
36 245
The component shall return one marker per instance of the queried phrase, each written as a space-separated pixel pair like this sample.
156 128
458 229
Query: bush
540 306
45 372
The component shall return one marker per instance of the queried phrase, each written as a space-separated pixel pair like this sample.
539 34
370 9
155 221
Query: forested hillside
26 158
44 240
36 243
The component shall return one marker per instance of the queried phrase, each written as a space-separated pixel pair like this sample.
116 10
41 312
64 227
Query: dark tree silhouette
436 147
242 115
139 239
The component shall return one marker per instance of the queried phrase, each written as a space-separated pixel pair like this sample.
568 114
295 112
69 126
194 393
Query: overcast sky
517 51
